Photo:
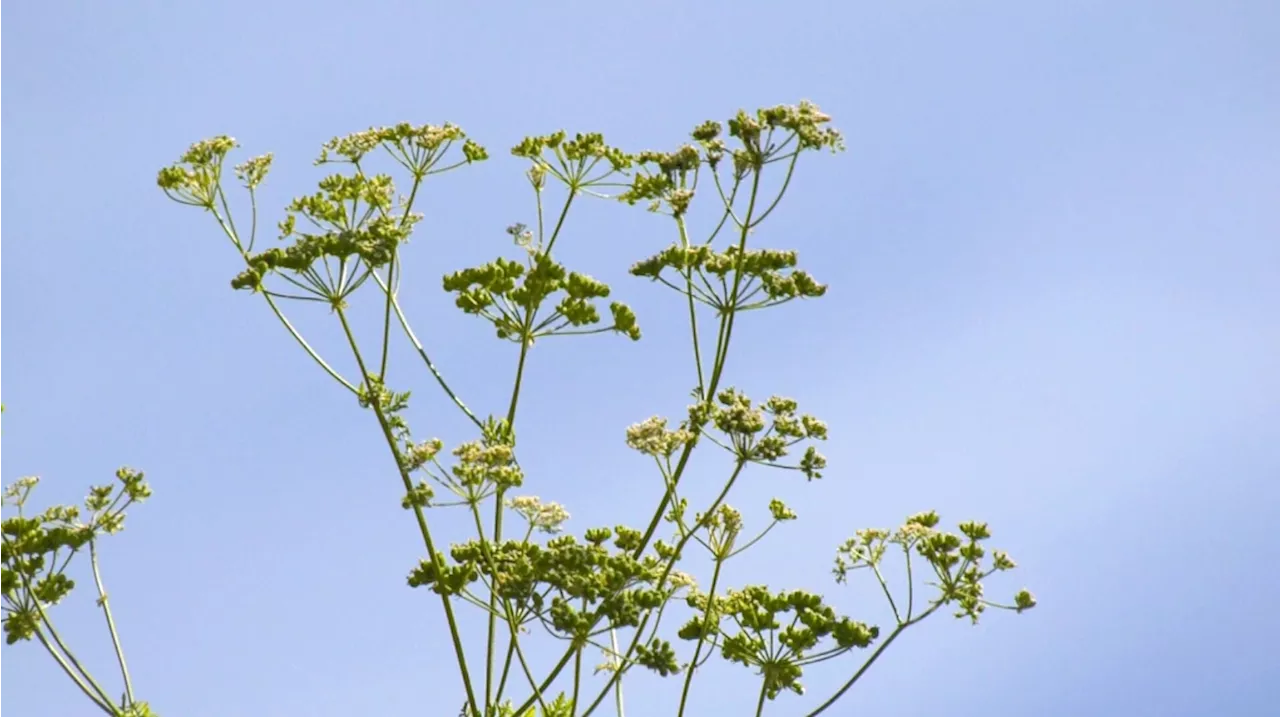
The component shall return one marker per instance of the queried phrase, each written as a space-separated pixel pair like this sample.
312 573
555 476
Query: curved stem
753 541
386 315
764 692
307 347
413 338
911 585
391 270
785 183
253 217
231 234
870 661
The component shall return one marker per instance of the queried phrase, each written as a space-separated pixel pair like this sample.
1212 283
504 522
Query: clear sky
1053 247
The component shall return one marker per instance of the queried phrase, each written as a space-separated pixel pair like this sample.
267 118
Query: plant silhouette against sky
600 593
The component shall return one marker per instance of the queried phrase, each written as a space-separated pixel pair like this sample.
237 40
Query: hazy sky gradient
1053 247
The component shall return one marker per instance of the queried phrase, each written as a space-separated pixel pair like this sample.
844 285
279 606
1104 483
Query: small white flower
547 517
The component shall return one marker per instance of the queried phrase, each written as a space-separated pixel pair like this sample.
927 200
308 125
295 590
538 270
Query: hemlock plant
37 550
600 595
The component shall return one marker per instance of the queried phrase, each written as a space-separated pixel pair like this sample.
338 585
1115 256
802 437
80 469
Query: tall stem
432 554
617 688
111 624
391 279
506 670
497 519
63 656
670 565
693 313
386 315
525 341
577 678
722 351
102 703
70 656
697 652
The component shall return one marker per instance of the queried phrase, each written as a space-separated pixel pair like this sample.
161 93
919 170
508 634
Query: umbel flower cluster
597 597
38 549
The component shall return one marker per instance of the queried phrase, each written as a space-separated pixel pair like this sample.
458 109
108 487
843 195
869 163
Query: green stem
253 217
515 391
432 554
911 585
386 315
722 350
497 520
870 661
528 674
617 688
785 183
764 684
537 694
697 652
391 282
506 670
555 233
884 586
57 640
492 636
111 624
102 703
754 540
670 565
413 338
279 315
514 643
307 347
693 314
577 678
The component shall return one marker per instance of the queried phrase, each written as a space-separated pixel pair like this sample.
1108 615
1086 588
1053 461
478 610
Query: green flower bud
658 656
780 511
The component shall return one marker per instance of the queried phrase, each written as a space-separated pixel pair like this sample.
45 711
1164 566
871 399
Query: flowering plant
600 592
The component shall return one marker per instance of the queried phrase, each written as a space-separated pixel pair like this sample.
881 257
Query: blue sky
1054 268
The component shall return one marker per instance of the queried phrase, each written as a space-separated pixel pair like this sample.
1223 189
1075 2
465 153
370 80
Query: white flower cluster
651 437
547 517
